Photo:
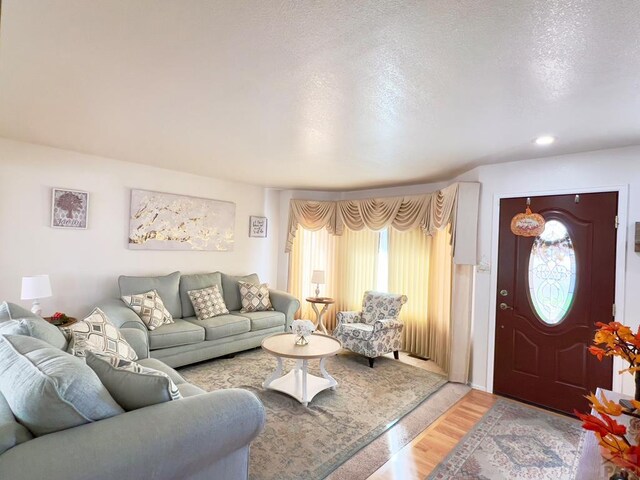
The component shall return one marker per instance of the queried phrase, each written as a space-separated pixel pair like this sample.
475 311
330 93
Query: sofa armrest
121 315
348 317
286 303
171 440
138 340
387 323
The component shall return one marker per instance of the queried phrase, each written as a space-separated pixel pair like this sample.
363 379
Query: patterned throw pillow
150 308
255 297
132 385
208 302
97 334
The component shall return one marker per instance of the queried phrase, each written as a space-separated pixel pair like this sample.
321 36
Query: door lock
504 293
504 306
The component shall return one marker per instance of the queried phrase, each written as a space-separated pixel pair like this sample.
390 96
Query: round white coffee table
298 383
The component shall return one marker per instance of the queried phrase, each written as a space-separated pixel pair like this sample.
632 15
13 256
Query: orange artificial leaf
598 352
604 426
636 404
606 406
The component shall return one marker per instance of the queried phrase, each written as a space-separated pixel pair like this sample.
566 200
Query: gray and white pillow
97 334
49 390
254 297
150 308
130 384
208 302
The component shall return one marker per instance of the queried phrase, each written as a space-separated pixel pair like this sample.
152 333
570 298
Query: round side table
326 301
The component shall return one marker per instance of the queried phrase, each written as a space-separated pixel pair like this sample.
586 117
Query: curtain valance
430 212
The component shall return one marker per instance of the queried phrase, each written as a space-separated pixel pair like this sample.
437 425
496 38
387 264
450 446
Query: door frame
620 382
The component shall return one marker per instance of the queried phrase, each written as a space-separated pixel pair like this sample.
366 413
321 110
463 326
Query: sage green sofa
190 340
201 436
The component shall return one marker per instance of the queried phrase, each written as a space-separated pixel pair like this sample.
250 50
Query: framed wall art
258 227
69 208
165 221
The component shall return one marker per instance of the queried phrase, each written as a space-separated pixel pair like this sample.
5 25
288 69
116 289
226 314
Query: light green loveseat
201 436
190 340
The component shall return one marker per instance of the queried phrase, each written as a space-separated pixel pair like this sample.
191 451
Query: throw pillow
208 302
254 297
39 327
49 390
150 308
15 327
132 385
97 334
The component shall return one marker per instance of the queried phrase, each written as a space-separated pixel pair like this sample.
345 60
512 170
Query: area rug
514 441
311 442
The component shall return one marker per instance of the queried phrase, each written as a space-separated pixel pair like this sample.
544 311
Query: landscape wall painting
164 221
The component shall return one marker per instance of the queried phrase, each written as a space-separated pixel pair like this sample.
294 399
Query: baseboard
482 388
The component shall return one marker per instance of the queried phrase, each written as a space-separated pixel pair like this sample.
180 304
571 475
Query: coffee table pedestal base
298 383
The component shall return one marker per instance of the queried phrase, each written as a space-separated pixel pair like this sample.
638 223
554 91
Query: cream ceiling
320 94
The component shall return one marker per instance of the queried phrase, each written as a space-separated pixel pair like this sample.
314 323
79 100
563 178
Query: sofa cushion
149 307
163 367
168 287
196 282
38 326
174 334
231 289
222 326
264 320
49 390
11 432
97 334
132 385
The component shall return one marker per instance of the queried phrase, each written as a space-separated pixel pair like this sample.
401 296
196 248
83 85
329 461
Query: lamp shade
317 277
35 287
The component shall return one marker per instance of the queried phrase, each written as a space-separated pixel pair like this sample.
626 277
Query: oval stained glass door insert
552 273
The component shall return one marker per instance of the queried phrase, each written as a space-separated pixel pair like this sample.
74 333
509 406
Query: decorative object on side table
303 330
326 301
34 288
60 319
317 277
258 227
69 208
614 339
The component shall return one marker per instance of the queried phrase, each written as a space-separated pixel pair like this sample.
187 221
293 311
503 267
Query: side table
61 325
326 301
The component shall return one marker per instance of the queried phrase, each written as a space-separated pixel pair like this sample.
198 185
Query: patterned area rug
514 441
310 442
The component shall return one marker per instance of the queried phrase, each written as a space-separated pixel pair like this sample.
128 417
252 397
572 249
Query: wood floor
417 459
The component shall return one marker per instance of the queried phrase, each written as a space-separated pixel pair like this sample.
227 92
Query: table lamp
317 277
34 288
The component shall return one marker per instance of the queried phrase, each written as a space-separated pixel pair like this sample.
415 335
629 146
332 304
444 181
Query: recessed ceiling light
544 140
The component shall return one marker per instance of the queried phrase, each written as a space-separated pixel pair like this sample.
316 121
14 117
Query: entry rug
308 443
514 441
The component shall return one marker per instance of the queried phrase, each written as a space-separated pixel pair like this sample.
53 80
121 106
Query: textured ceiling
320 94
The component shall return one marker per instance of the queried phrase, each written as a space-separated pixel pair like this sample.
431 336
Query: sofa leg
396 355
371 360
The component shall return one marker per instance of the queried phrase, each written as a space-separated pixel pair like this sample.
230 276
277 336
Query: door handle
504 306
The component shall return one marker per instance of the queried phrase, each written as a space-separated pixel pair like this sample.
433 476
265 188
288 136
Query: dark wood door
552 289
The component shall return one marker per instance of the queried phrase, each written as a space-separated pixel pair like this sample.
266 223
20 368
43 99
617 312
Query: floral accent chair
375 330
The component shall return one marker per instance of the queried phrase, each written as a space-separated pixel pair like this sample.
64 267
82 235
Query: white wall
84 265
604 168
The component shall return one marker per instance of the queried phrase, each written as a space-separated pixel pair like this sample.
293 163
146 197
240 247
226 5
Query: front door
552 289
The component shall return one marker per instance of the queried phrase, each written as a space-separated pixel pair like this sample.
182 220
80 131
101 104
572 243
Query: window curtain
350 266
430 212
420 267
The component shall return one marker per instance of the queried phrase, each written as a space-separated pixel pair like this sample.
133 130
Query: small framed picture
258 227
69 208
